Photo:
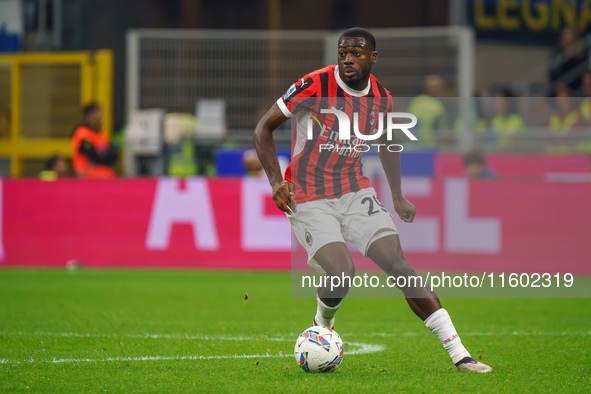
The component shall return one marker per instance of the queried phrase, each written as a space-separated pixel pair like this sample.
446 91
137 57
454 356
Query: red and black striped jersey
324 166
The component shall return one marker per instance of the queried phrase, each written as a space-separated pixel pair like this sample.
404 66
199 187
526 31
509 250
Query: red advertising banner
232 223
511 165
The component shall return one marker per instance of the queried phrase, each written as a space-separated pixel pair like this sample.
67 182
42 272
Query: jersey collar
352 92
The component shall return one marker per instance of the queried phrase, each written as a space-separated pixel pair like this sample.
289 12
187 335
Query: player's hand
282 193
404 209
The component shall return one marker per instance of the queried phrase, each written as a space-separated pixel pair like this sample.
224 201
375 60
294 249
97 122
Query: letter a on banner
172 205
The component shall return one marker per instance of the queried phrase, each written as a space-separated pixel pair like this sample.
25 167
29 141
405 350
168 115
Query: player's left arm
391 164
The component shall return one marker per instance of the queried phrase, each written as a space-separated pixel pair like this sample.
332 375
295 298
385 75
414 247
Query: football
319 349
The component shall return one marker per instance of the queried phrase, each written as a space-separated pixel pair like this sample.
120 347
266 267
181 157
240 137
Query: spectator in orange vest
93 155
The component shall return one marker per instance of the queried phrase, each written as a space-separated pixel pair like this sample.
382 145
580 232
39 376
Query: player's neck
358 88
359 85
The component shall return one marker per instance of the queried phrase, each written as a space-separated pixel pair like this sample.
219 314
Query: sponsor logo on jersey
289 92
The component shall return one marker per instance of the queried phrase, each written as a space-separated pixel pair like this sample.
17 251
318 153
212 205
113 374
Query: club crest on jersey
372 117
308 238
289 92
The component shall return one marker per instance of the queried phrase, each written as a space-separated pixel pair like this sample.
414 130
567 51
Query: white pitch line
482 334
361 348
286 338
141 336
145 358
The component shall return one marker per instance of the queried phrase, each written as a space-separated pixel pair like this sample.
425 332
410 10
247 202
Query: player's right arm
285 107
267 152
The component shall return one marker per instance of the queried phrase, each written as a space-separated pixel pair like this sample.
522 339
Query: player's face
356 57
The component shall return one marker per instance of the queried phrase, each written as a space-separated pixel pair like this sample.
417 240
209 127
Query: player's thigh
335 259
366 220
315 226
387 253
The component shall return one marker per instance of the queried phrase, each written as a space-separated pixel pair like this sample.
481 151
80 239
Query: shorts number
371 211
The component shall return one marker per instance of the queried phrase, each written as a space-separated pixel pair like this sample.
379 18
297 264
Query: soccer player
328 197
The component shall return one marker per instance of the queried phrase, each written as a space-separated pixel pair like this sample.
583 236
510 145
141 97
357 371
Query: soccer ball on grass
319 349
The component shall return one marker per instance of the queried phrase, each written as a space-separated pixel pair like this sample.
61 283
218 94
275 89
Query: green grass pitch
178 331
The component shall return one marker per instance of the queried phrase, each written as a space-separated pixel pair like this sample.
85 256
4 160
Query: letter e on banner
462 233
260 231
422 235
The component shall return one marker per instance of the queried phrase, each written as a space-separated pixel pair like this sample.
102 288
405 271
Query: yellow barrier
47 92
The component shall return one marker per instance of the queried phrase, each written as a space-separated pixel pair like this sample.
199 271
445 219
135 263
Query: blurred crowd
505 118
499 118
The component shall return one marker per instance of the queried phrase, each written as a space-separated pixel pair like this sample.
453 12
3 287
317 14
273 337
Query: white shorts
359 217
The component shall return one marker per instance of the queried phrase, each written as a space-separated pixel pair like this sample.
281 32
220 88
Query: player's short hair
360 32
51 162
90 108
474 157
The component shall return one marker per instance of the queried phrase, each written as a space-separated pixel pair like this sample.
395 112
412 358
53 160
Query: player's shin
441 325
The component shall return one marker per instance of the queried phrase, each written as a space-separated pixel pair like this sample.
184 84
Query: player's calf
387 254
330 297
405 277
335 260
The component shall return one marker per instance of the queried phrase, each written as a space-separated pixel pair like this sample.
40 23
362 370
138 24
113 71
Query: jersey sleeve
294 99
387 104
287 175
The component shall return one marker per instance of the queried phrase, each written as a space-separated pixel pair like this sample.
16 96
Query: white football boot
468 364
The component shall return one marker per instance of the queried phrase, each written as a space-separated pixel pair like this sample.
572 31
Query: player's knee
398 265
343 272
349 272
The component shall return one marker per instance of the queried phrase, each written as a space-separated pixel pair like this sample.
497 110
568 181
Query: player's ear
374 57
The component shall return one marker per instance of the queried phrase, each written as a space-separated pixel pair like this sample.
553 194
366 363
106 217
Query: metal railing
43 101
172 69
